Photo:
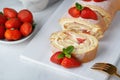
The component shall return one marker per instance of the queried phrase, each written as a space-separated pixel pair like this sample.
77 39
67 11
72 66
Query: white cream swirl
64 39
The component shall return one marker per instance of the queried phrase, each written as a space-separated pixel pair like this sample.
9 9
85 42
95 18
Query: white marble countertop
12 68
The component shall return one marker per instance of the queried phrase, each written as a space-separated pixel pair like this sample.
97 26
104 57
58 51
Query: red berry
87 0
26 29
99 0
87 13
74 12
2 31
12 34
70 62
10 13
3 19
13 23
54 58
25 16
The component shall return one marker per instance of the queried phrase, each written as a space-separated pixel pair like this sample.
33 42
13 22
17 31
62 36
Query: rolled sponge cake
85 45
105 11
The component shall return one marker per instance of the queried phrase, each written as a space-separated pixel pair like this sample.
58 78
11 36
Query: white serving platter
38 51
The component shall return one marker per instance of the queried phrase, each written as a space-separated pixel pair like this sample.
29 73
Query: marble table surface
12 68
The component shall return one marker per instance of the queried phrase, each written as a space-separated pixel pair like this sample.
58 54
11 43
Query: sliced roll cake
106 8
85 45
89 17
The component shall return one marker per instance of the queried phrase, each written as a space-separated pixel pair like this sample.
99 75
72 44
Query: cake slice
85 46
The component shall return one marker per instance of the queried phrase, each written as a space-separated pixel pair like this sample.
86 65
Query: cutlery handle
117 75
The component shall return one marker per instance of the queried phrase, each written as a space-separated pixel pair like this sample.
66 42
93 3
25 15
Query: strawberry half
70 62
65 58
55 59
99 0
87 0
74 12
87 13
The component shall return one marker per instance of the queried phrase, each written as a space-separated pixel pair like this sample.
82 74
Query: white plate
38 50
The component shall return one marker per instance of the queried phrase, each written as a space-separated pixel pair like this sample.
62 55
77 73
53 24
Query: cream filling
83 28
63 40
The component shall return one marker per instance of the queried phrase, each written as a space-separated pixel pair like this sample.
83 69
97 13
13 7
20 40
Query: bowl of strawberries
15 26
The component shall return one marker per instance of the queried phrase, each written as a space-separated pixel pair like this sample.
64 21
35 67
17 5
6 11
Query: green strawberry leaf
33 25
1 13
62 55
79 6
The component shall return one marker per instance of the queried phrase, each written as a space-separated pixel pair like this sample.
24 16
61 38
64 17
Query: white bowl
18 41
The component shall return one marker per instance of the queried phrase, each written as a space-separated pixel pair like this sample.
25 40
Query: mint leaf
67 51
68 55
61 56
78 6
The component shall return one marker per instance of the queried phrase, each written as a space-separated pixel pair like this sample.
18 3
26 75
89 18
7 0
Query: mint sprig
66 52
78 6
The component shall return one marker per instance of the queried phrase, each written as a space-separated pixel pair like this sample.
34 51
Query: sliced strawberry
55 59
87 13
80 40
74 12
2 31
70 62
99 0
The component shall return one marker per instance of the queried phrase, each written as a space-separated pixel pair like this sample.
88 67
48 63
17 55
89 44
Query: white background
12 68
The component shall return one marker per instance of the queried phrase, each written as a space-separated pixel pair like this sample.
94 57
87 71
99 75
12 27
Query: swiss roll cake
85 45
90 17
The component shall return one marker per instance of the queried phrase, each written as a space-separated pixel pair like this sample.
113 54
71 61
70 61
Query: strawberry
87 13
10 13
87 0
84 12
70 62
2 31
80 40
12 34
94 0
26 28
99 0
54 58
25 16
3 19
13 23
65 58
74 12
